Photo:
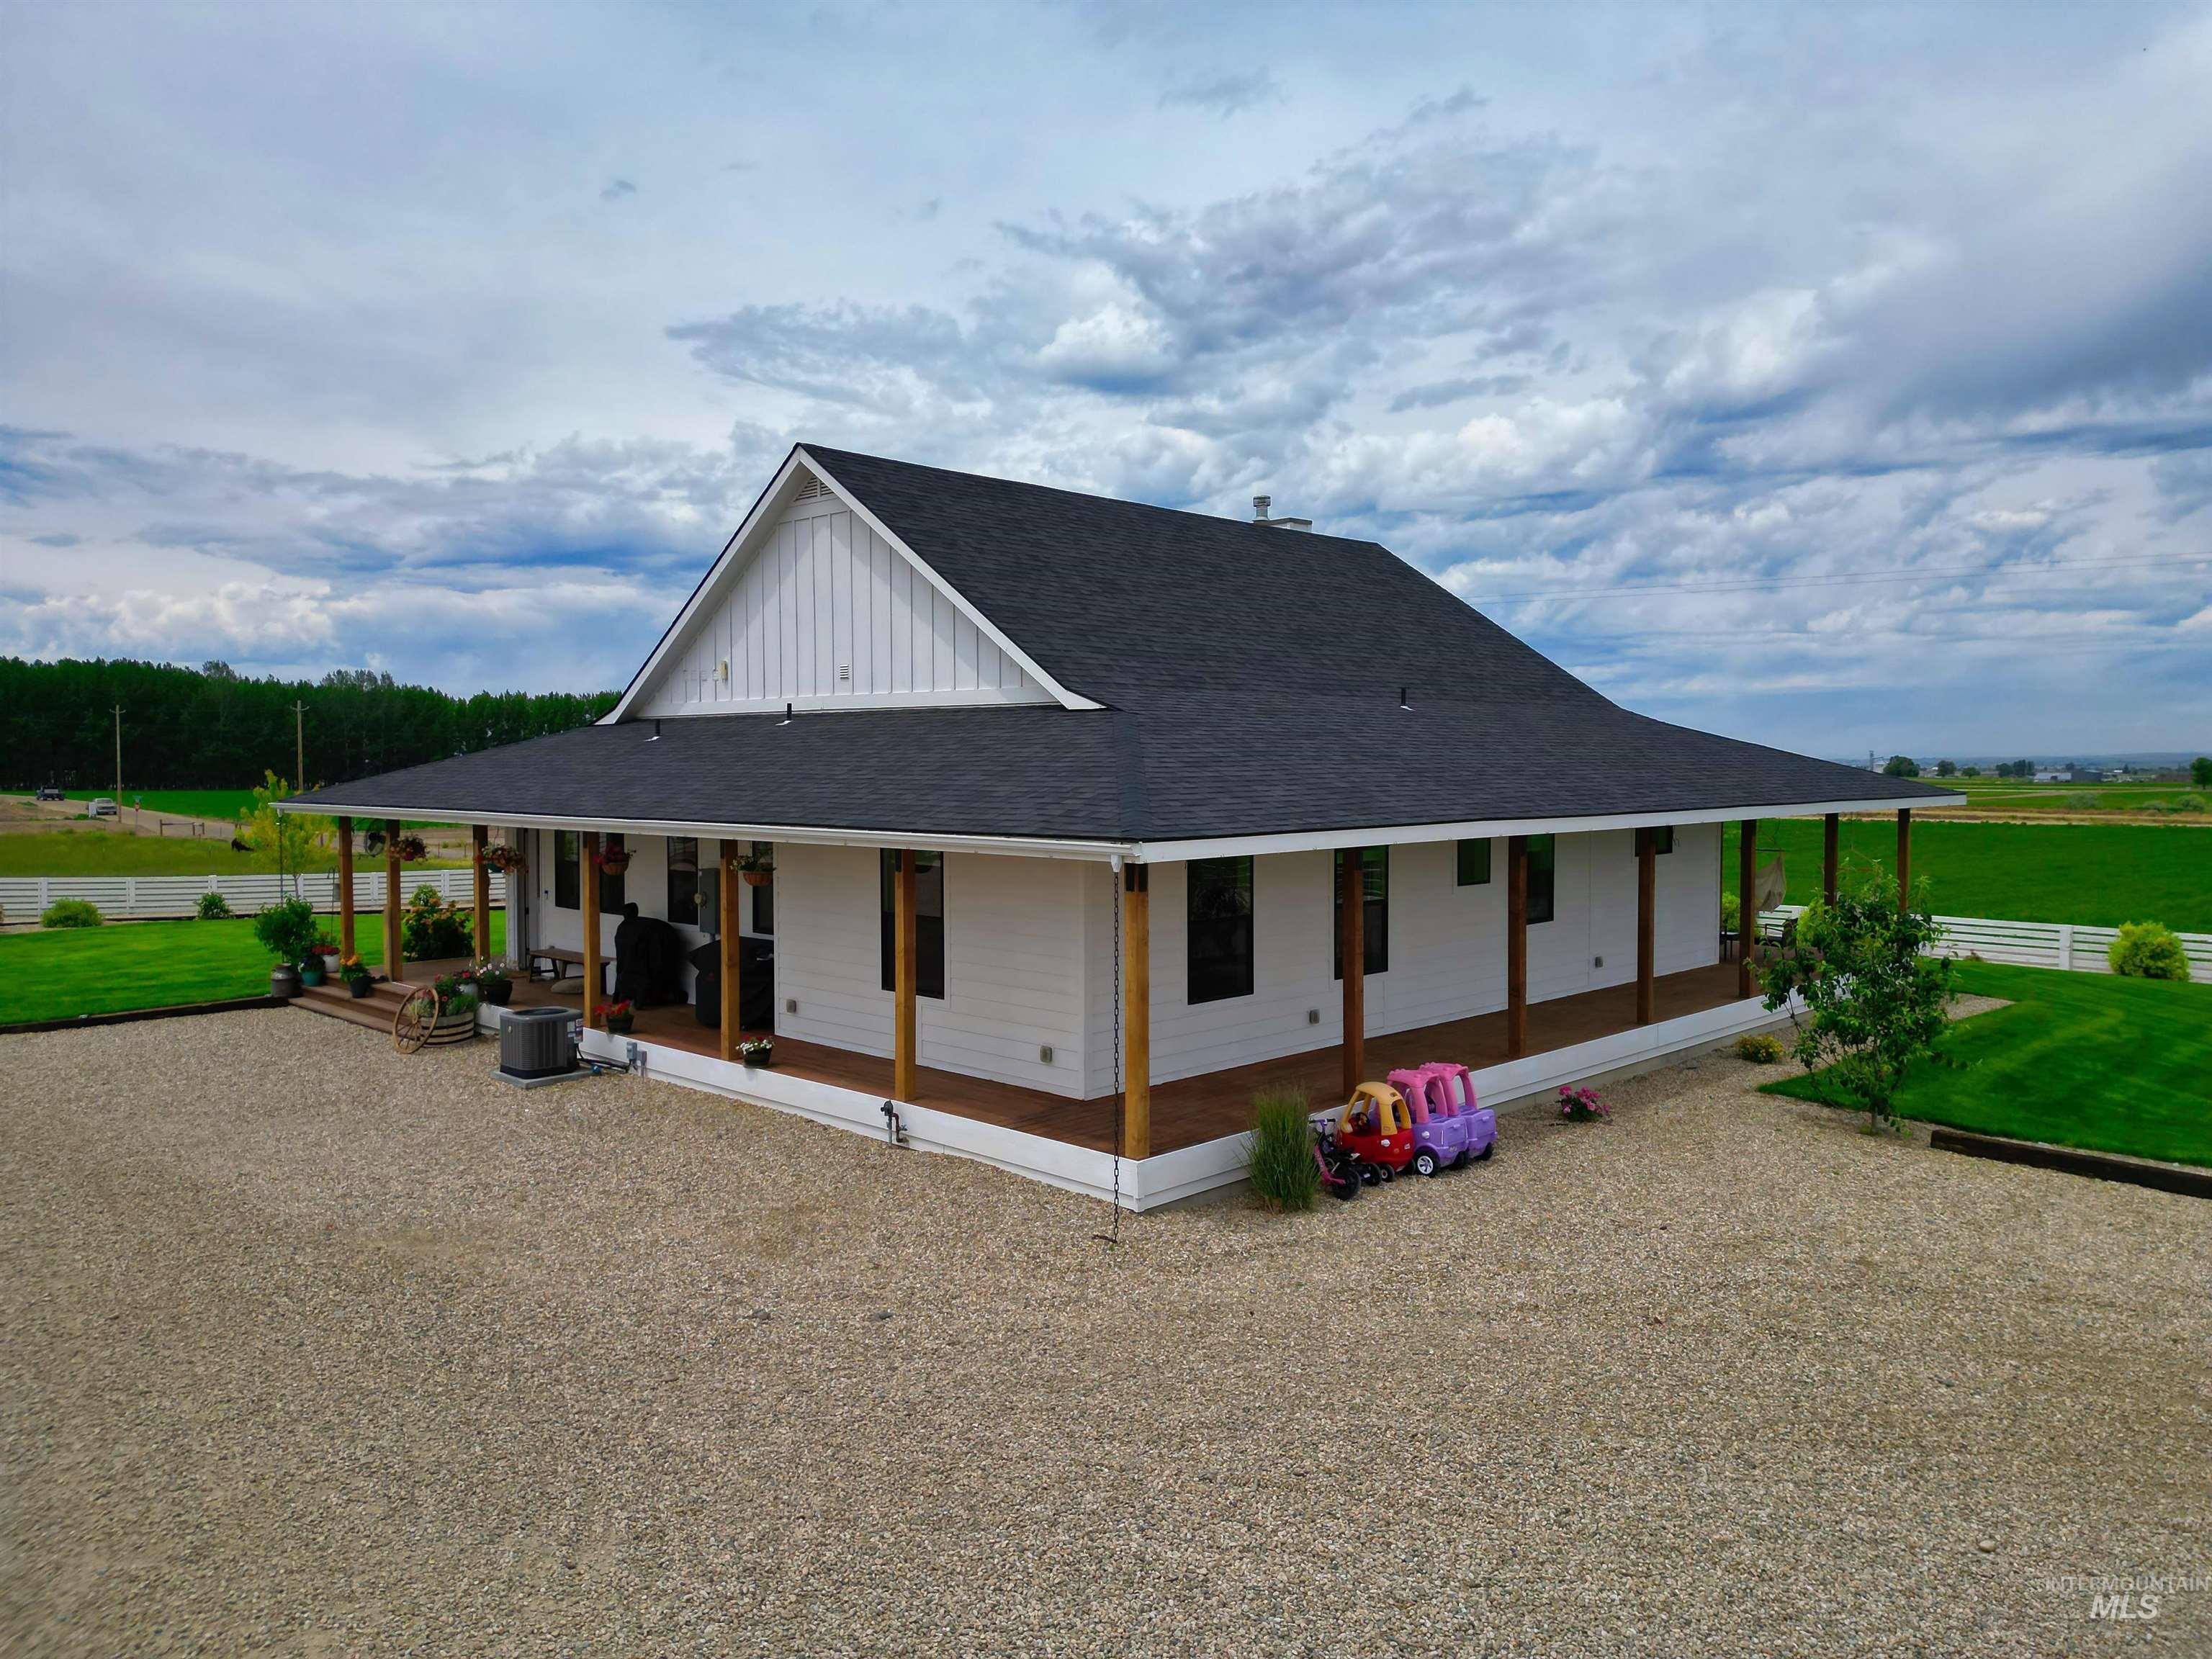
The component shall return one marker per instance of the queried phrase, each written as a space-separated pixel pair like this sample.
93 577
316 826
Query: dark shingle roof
1251 677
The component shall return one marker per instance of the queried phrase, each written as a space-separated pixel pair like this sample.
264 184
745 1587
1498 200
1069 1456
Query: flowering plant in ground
1866 999
1582 1106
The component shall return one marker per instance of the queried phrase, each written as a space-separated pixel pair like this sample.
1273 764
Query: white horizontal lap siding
1014 965
825 611
1447 945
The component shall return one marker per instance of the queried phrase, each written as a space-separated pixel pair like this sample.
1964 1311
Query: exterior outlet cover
1597 962
1044 1054
1313 1016
791 1005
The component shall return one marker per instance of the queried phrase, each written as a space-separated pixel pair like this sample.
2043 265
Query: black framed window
1219 928
764 895
1543 853
1475 863
929 924
568 870
684 880
1375 924
1662 839
612 893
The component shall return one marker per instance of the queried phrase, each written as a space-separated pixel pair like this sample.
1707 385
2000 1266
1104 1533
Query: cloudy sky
1841 378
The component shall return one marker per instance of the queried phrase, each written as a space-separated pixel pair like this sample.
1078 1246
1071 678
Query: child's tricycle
1454 1084
1440 1138
1376 1128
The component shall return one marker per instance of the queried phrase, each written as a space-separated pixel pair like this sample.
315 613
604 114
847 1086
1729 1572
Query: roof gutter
1162 852
807 835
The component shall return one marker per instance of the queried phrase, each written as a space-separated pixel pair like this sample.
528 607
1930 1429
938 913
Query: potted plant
327 948
494 984
755 867
505 860
761 1051
359 981
619 1018
312 969
410 849
612 860
456 1009
287 931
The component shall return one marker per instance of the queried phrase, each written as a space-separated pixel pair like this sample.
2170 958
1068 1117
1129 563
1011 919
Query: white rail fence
2072 946
139 898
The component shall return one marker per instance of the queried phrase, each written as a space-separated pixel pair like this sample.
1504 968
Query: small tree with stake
1870 1003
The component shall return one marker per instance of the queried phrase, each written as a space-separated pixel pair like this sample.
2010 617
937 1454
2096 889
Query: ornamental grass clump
2147 949
1280 1158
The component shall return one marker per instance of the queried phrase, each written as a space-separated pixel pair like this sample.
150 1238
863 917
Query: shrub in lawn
71 912
1761 1047
214 907
430 928
1280 1160
1869 1004
2177 804
287 930
2145 950
2081 801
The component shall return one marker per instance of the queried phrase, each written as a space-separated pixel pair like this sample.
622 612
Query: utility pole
299 746
119 762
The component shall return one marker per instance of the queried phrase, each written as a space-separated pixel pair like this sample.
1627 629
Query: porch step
376 1011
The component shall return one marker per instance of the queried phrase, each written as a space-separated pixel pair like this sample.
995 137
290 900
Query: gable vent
812 490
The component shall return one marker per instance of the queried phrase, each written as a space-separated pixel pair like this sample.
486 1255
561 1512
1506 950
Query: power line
1838 579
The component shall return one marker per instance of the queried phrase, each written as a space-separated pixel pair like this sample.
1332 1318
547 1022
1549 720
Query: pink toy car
1454 1084
1440 1138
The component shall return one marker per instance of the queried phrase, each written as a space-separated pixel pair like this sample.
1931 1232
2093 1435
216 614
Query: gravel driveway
314 1350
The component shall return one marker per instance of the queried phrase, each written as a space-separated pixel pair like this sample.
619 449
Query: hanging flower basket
756 868
505 860
409 848
612 860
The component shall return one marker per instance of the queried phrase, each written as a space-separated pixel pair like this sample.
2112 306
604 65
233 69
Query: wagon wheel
417 1016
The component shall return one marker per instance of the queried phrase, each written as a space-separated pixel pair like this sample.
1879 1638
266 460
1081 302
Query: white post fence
2072 947
143 898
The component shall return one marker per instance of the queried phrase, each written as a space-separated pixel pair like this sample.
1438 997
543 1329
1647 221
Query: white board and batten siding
826 613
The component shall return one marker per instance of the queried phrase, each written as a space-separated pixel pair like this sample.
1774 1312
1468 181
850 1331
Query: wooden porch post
1351 921
392 937
1647 924
905 965
1904 857
589 862
1516 946
732 948
482 872
1746 905
345 887
1830 832
1136 1011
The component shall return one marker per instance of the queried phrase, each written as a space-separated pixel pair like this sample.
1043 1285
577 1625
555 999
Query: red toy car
1377 1128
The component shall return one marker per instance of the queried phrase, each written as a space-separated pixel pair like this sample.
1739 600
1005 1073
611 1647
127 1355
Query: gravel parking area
310 1349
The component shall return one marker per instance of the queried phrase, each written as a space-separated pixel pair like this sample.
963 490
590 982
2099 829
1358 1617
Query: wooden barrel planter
451 1028
424 1022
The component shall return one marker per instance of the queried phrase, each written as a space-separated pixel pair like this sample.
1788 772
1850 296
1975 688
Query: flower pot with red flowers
612 860
619 1018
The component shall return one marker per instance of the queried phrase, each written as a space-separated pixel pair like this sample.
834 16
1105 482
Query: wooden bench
558 960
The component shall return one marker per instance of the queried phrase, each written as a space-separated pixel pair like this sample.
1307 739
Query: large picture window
1219 928
929 922
1662 839
684 880
1375 924
1475 863
568 870
1542 854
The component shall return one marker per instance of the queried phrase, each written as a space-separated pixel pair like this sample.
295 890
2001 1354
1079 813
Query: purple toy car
1439 1138
1454 1084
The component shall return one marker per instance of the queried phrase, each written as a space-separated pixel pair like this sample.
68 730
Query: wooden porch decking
1192 1109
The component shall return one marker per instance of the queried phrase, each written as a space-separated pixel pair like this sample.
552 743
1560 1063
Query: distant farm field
2100 874
96 851
224 804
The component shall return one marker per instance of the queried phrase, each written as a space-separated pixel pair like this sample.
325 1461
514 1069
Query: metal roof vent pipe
1402 702
655 738
1263 513
785 720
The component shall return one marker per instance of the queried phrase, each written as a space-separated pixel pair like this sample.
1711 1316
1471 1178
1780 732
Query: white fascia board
709 592
1164 851
1066 698
1096 852
980 697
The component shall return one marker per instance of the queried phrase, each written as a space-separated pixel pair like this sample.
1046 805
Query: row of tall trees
211 727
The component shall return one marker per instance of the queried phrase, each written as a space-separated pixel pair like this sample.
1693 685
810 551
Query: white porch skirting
1160 1180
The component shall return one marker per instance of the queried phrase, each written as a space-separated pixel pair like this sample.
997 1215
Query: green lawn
2078 1060
2102 874
58 973
92 852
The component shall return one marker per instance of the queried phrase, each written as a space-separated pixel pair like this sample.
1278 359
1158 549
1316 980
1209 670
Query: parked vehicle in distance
50 792
100 808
